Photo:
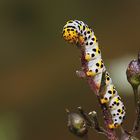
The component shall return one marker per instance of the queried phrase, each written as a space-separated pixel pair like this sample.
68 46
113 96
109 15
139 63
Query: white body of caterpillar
77 32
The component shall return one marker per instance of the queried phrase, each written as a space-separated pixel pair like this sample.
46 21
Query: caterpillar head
71 33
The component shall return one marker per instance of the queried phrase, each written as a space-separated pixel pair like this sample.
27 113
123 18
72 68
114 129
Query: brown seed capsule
133 138
77 124
128 137
133 72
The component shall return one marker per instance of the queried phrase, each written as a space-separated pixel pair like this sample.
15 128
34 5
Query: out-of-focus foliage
37 68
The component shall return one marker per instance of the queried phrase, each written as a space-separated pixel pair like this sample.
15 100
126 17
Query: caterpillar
78 33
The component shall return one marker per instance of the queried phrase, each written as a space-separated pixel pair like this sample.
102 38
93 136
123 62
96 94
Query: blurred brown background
37 68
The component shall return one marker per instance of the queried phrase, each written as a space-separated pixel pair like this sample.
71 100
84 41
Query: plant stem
93 121
137 106
136 98
85 116
107 117
139 57
97 127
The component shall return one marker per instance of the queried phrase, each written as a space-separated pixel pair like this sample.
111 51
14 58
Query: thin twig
139 57
85 116
92 121
97 126
136 98
107 117
136 125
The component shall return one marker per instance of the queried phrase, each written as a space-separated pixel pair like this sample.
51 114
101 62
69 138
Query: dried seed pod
128 137
133 72
133 138
77 124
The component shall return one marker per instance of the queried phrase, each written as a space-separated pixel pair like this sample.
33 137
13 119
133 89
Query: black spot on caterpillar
77 32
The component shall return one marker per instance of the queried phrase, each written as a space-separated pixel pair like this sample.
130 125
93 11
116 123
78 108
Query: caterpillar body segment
108 80
78 33
95 67
93 52
108 94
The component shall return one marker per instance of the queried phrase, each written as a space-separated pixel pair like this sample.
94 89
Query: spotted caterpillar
77 32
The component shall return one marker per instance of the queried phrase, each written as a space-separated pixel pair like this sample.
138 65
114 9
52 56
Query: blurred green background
37 68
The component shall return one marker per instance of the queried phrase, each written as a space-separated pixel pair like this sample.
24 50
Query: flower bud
133 72
77 124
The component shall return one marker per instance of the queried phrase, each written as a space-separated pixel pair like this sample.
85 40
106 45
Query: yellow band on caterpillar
103 101
87 57
90 73
112 126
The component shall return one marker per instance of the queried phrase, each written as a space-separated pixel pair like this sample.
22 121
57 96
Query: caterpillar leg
88 57
90 73
113 126
104 100
80 74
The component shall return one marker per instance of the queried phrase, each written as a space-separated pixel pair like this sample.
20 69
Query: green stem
137 106
136 98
